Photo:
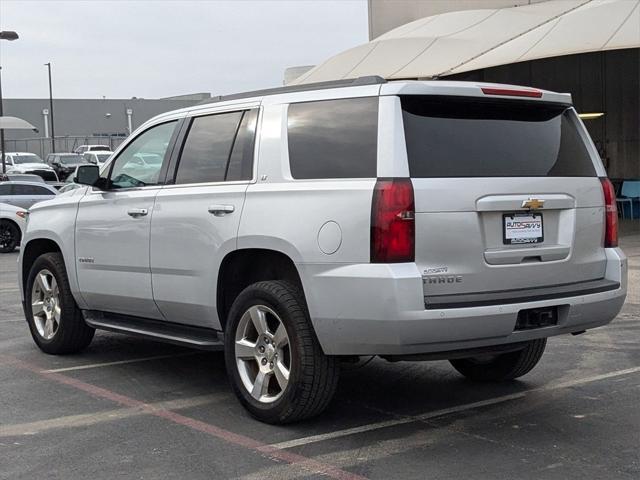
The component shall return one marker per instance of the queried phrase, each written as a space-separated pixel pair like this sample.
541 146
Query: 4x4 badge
533 203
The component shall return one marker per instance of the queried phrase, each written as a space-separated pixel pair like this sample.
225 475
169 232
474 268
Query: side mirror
87 175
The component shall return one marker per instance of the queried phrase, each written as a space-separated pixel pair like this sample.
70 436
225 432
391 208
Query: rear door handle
137 212
220 210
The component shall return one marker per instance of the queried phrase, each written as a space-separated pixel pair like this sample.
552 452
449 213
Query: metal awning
15 123
463 41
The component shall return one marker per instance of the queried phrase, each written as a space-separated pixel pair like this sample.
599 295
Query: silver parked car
25 194
302 226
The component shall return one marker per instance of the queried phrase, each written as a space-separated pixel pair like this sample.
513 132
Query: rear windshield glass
70 159
22 159
453 137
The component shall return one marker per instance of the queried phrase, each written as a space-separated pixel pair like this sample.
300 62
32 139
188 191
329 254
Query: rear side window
333 138
241 160
218 147
453 137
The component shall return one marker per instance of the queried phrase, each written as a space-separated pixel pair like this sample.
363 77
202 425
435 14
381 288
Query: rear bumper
378 309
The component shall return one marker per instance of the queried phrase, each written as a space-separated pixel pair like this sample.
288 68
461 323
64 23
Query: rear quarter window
333 138
455 137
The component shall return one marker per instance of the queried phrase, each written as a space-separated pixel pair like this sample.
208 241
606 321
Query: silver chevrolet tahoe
306 226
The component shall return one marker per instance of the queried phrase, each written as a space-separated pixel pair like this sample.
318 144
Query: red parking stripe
313 466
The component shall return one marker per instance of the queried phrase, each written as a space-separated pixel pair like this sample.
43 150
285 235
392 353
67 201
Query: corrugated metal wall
606 82
88 117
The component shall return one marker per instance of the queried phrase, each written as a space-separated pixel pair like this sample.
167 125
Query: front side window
333 138
139 164
210 145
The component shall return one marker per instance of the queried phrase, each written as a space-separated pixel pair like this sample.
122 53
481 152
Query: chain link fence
42 146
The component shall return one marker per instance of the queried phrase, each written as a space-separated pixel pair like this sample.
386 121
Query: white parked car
304 226
97 157
91 148
24 162
12 224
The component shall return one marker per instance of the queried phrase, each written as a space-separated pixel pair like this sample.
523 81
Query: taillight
393 224
610 214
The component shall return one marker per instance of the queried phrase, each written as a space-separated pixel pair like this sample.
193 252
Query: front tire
274 361
505 366
55 321
9 236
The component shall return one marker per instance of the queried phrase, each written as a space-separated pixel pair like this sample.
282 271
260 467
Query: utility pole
53 134
4 165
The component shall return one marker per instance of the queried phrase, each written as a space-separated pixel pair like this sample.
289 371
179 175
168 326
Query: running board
176 333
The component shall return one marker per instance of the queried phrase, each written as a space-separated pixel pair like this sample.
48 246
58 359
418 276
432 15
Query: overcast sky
150 49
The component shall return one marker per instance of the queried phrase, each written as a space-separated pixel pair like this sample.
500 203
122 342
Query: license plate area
537 318
522 228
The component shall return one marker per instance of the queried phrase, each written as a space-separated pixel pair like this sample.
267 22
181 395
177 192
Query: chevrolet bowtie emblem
533 204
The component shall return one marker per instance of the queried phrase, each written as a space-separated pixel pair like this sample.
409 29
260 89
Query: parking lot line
88 419
309 464
119 362
445 411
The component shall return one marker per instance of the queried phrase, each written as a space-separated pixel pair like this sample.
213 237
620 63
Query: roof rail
354 82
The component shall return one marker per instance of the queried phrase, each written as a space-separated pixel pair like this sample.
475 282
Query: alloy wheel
263 353
6 236
46 307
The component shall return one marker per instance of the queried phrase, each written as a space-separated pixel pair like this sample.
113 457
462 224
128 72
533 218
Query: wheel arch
243 267
15 224
32 250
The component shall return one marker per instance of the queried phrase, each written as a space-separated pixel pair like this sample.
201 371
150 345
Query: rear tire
505 366
9 236
309 377
55 321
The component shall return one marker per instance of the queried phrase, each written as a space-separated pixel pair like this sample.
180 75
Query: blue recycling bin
625 209
630 189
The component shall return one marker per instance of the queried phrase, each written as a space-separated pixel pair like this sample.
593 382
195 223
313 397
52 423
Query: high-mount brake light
512 92
393 221
610 214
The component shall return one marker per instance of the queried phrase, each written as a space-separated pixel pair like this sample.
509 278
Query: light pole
53 133
4 35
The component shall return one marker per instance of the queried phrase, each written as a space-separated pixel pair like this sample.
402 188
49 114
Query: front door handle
220 210
137 212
